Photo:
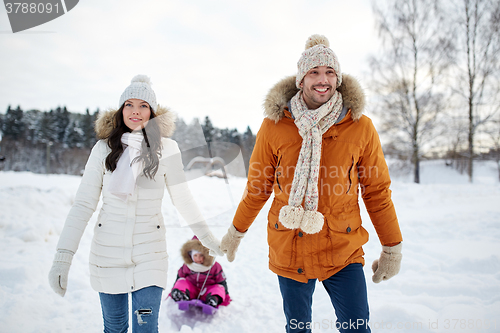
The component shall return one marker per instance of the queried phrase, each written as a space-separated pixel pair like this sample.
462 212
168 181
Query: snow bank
449 281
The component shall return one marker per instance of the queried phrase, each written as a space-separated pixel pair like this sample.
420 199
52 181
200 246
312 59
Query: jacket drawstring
204 282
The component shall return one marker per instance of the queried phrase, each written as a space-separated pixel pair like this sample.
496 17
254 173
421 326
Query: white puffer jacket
128 250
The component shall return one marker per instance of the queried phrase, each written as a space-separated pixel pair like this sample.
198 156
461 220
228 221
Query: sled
185 305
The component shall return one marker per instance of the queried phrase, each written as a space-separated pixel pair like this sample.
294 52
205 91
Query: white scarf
199 268
312 124
123 179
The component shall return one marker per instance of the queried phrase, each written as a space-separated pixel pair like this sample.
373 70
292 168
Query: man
316 151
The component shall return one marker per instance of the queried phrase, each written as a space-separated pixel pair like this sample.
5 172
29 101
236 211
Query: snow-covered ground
449 280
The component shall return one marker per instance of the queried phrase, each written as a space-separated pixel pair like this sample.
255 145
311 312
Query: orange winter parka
352 163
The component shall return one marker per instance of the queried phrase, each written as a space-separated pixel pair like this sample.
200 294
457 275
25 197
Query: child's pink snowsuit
194 280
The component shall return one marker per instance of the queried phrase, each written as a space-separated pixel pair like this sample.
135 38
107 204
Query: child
131 165
200 277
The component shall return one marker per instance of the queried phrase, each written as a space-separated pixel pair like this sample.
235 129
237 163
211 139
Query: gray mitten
58 275
230 242
389 263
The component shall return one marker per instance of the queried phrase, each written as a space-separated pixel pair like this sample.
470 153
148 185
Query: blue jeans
347 291
145 310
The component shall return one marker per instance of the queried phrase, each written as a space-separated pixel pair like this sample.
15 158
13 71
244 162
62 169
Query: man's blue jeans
347 290
145 310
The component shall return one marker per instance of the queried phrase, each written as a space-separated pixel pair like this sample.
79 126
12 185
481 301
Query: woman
130 166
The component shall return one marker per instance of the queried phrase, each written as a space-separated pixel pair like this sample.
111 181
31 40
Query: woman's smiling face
136 113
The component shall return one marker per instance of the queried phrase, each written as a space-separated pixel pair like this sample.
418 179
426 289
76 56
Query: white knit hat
317 53
192 253
140 88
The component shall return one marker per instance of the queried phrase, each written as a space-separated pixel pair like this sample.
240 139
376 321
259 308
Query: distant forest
59 141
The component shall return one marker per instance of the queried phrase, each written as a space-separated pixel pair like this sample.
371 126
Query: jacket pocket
278 174
158 224
282 245
101 220
350 176
282 241
344 235
150 230
102 228
345 221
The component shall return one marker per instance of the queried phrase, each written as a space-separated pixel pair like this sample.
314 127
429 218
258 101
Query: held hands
58 275
230 242
389 263
213 244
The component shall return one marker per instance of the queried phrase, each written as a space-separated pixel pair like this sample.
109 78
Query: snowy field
449 280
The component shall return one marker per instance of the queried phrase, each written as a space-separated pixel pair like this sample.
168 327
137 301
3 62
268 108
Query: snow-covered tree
13 125
74 136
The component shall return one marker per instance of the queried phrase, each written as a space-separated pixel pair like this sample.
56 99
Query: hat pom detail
317 40
291 216
313 222
141 78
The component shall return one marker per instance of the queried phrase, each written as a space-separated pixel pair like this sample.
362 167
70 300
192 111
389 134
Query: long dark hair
151 146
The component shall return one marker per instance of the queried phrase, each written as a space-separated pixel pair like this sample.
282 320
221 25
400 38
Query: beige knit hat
140 88
317 53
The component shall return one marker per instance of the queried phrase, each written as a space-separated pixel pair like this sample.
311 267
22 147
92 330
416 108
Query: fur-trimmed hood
105 122
195 244
278 97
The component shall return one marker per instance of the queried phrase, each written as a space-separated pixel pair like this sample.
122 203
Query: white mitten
230 242
58 275
212 243
389 263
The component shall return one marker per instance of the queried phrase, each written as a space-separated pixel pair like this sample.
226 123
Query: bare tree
477 43
406 75
454 142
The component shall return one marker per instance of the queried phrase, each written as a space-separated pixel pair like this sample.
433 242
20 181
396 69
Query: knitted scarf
123 179
312 124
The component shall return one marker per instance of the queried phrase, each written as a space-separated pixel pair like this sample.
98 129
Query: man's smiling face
318 86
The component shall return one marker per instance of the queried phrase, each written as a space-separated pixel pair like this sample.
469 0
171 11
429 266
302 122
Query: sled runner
185 305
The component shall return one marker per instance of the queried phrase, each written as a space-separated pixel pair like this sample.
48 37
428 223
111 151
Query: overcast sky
205 57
